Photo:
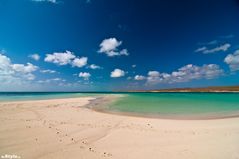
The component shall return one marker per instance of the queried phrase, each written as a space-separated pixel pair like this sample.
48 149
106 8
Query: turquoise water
20 96
182 105
165 105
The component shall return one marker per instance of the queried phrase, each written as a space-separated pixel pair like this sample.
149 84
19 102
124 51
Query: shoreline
66 128
99 104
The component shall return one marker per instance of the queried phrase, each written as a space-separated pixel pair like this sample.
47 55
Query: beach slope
64 128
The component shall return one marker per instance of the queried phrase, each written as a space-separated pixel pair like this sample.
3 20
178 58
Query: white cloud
185 74
205 50
139 77
109 44
153 73
52 80
15 73
85 75
5 64
35 57
124 52
60 58
79 62
93 66
133 66
57 79
29 76
153 77
110 47
117 73
48 71
50 1
64 58
24 68
233 60
201 49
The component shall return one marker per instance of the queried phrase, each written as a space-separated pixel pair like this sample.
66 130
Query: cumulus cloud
110 48
15 73
60 58
233 60
85 75
109 44
64 58
47 71
185 74
117 73
153 73
35 57
139 77
206 50
24 68
94 67
79 62
50 1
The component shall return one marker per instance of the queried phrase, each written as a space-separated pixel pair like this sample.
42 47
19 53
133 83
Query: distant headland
199 89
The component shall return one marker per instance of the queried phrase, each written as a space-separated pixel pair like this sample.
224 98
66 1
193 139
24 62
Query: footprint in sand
90 149
107 154
84 142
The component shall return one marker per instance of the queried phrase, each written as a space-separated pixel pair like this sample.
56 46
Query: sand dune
64 128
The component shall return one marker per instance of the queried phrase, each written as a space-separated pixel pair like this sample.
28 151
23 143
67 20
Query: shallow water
178 105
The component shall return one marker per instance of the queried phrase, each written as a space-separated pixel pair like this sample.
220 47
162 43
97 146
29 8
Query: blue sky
105 45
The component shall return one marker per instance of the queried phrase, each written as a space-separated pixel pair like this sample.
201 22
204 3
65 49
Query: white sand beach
65 129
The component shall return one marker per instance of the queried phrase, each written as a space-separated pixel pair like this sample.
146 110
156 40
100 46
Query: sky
118 45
